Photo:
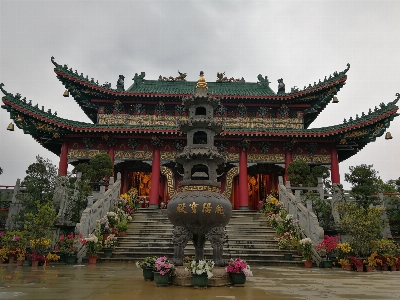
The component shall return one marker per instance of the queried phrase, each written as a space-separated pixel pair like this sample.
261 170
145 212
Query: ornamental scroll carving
83 153
323 159
258 124
275 158
229 181
135 155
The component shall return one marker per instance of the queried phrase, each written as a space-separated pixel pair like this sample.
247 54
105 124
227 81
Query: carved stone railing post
95 211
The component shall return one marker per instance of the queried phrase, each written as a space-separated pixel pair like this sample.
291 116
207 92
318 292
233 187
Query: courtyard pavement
124 281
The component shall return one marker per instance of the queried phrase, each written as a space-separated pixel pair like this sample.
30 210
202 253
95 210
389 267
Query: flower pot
327 264
200 280
122 233
288 256
360 268
368 268
393 268
300 252
92 259
348 268
62 257
35 263
385 267
105 236
238 278
308 263
11 259
148 274
161 280
107 252
20 262
70 259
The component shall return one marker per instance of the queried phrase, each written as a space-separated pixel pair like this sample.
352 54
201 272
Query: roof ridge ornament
201 82
3 90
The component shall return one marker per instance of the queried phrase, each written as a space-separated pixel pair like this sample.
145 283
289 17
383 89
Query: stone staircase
248 236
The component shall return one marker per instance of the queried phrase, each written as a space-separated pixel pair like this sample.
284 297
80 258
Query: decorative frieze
322 159
84 153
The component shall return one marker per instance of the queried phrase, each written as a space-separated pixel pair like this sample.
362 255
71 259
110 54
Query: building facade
138 127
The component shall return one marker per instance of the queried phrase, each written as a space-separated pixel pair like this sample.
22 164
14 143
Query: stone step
248 235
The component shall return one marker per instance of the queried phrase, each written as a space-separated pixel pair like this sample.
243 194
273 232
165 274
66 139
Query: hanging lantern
335 100
10 127
66 93
388 136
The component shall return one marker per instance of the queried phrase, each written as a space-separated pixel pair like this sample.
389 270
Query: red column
223 183
63 165
243 192
288 160
236 197
335 176
111 153
155 178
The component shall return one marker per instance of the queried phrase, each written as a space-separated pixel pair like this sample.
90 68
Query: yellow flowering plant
373 260
344 250
344 262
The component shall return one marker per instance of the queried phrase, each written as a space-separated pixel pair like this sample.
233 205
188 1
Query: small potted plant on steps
109 245
163 269
147 265
238 270
93 245
201 271
122 227
306 245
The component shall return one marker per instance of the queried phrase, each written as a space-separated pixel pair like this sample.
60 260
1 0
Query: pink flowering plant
238 265
164 266
68 244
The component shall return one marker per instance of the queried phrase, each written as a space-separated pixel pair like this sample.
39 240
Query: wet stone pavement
124 281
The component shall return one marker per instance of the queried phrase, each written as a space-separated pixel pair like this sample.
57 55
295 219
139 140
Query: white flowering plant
201 267
92 243
306 245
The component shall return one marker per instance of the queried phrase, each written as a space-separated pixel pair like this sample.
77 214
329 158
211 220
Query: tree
365 184
299 172
39 184
99 167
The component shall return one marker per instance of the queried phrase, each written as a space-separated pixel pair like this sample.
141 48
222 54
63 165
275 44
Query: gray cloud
300 41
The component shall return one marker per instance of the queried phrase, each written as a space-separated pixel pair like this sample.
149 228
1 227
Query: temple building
138 127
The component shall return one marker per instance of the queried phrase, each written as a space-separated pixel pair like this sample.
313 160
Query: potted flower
327 246
306 245
201 271
3 254
238 270
109 244
122 227
356 263
93 245
52 257
70 247
147 265
163 268
344 250
288 241
391 261
36 258
345 263
371 262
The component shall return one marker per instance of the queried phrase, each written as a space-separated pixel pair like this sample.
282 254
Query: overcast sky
299 41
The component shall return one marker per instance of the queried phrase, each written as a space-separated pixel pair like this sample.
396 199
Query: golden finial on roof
201 83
